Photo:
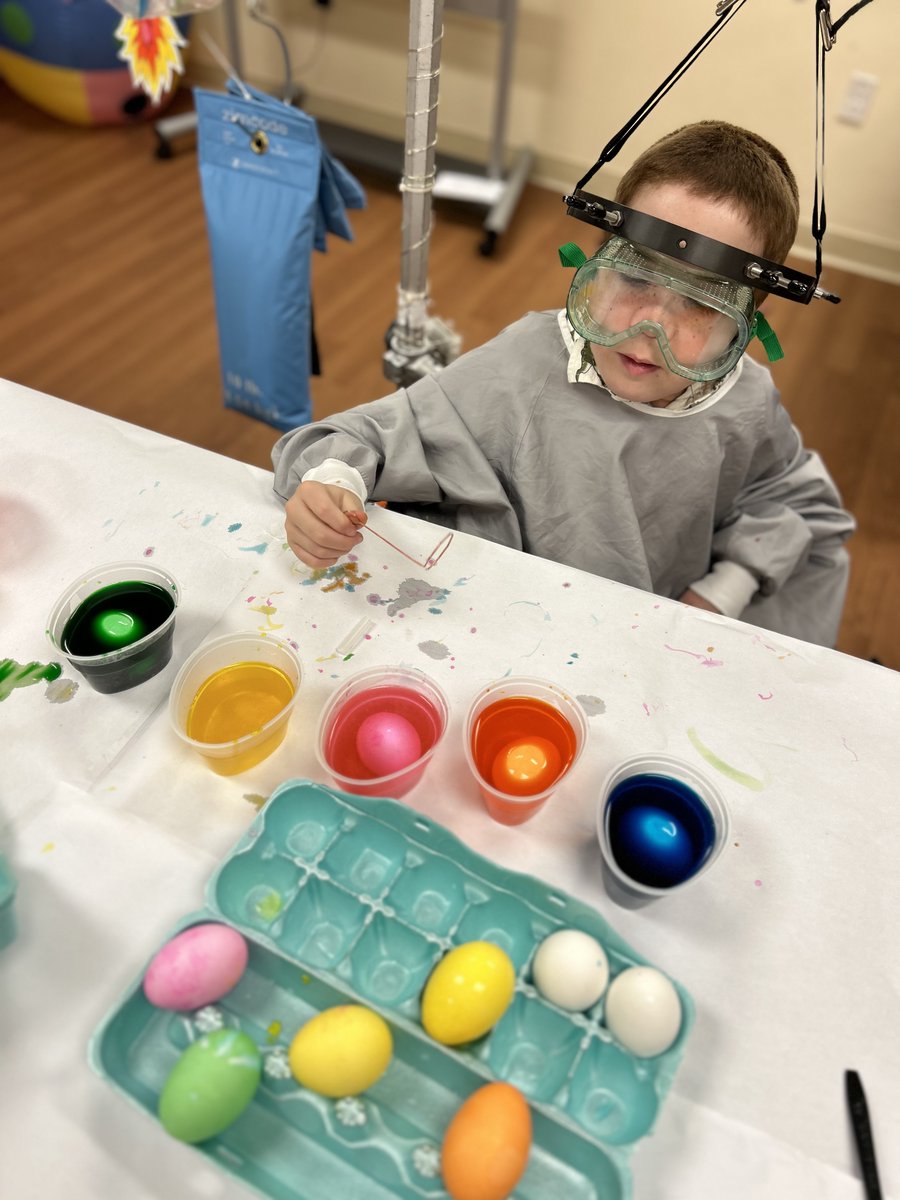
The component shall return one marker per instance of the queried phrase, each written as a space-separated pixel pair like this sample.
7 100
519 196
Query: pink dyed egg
197 967
387 742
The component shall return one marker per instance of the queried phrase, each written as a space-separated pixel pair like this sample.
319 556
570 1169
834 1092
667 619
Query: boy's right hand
318 529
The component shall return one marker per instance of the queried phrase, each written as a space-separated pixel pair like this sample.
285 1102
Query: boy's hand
318 528
696 601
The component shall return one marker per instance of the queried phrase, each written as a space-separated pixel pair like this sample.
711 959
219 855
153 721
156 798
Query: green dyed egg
210 1085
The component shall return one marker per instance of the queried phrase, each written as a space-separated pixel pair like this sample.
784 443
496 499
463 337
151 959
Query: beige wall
581 69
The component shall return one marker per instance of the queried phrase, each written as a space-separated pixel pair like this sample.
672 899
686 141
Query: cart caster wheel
487 247
164 149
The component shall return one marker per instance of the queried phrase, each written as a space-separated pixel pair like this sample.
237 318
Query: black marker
862 1131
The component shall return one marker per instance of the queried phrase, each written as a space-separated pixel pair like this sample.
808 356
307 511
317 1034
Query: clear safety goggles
700 323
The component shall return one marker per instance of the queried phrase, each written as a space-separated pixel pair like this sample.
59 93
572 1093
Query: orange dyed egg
526 766
485 1150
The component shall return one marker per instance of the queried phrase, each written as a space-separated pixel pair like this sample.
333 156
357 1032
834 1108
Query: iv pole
417 344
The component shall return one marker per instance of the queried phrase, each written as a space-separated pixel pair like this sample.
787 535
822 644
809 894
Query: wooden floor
107 301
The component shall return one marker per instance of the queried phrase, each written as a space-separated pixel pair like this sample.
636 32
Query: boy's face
635 369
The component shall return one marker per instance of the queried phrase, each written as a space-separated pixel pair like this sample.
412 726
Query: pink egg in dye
197 967
387 742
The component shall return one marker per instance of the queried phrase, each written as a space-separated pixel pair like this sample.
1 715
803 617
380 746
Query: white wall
583 67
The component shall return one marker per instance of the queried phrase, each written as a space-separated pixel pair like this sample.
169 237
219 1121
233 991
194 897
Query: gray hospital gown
501 444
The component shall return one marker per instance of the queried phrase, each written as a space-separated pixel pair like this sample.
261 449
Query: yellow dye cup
233 698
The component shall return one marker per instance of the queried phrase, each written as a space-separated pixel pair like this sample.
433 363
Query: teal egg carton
347 899
7 904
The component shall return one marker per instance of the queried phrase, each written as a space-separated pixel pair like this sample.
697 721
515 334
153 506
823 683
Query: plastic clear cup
504 807
425 704
118 669
621 886
241 753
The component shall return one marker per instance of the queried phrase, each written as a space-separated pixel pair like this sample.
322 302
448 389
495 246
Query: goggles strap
571 255
763 330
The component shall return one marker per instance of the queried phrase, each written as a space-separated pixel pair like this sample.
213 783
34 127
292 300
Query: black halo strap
690 247
846 17
826 33
725 10
824 39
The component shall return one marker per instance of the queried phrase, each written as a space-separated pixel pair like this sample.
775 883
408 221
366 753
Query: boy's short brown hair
724 162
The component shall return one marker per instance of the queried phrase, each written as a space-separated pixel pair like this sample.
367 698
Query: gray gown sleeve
444 444
788 529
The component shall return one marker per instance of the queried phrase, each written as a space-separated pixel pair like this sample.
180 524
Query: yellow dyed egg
486 1146
342 1051
467 993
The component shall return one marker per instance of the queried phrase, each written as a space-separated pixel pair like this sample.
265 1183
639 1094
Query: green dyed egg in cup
115 624
233 698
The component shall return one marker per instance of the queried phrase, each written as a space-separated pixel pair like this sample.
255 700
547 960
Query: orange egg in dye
486 1146
521 745
526 766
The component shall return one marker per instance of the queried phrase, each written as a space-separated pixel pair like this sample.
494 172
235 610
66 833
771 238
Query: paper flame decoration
151 48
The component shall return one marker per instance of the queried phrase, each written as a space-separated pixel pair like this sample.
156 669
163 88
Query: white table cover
789 946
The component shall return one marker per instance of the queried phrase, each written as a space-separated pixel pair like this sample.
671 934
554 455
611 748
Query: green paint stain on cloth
741 777
15 675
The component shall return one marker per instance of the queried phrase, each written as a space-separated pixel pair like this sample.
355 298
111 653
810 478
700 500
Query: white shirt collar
694 398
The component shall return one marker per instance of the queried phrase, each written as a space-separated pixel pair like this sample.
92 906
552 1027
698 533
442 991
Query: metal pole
233 37
504 78
419 344
423 71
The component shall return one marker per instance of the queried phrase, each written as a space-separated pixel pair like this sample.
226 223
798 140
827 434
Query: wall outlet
858 100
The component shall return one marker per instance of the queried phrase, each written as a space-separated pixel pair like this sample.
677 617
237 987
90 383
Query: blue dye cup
661 826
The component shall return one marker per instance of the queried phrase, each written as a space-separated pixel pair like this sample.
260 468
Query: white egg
570 969
642 1011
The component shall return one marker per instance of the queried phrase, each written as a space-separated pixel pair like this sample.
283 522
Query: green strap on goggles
763 330
571 255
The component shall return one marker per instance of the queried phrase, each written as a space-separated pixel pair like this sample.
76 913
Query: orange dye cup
522 737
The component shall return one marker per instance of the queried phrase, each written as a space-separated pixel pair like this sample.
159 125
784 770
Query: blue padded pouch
270 192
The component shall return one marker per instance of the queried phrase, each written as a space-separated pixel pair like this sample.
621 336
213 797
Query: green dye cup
133 663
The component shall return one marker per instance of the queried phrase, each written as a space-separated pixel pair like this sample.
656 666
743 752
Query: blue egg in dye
660 831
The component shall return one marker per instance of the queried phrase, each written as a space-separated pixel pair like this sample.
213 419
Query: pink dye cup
373 694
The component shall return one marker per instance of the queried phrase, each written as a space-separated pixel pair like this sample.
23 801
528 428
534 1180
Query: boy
626 435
